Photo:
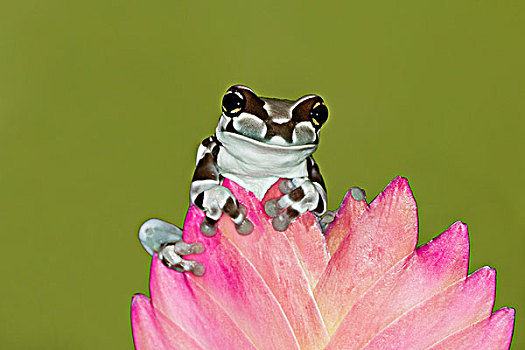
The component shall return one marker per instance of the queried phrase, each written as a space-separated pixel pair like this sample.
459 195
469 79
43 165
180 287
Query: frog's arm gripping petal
299 195
208 195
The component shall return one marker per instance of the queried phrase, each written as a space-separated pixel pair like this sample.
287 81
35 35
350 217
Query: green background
103 104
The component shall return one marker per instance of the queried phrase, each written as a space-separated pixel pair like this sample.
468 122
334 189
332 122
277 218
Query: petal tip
487 271
509 312
398 187
450 246
401 180
137 300
456 238
486 276
504 320
460 226
400 183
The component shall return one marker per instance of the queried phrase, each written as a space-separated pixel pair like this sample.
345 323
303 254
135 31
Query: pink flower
362 285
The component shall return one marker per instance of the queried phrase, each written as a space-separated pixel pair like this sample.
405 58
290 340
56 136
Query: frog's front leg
165 239
210 196
300 194
217 200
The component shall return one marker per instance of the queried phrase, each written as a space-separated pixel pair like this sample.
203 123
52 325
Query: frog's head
272 121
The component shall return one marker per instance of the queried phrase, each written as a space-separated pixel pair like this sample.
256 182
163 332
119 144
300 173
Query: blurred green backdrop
103 104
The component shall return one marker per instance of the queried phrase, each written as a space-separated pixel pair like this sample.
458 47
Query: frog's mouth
262 155
263 145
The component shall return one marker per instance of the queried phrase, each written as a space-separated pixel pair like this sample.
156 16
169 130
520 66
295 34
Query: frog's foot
166 240
327 219
171 255
220 200
300 195
358 194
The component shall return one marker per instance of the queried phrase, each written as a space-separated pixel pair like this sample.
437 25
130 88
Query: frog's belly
258 178
257 185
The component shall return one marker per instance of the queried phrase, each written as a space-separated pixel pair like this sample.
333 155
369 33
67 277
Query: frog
257 142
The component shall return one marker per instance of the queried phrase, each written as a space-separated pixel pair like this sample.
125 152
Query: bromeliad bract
361 285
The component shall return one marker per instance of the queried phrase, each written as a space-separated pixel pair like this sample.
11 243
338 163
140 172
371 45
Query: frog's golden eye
233 103
318 114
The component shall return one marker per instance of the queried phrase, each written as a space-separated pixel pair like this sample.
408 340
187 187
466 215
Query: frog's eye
233 103
318 114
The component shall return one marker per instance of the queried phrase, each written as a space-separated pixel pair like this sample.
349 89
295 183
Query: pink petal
459 306
430 269
183 301
272 255
307 240
153 331
349 212
232 281
385 234
492 333
309 245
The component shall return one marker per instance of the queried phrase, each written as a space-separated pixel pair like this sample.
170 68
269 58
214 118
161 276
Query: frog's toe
327 219
237 212
208 227
358 194
170 255
183 248
194 267
197 268
286 186
283 221
245 227
272 208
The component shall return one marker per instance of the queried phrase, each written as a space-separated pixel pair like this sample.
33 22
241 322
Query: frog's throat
258 158
256 165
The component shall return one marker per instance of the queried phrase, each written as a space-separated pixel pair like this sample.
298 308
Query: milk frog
258 140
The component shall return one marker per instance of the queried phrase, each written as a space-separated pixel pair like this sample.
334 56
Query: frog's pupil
233 104
319 113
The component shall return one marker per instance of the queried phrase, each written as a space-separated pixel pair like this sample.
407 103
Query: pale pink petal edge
494 332
154 331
